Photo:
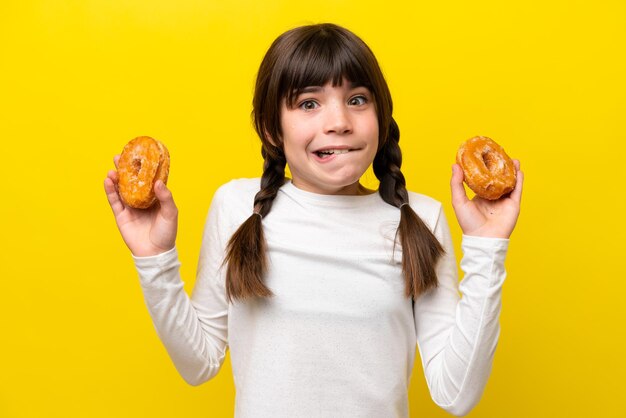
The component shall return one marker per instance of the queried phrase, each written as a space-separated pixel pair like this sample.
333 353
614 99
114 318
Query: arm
457 336
193 330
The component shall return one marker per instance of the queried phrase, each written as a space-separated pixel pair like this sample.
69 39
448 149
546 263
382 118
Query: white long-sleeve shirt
338 337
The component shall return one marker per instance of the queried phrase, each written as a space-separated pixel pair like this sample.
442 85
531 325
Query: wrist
151 252
488 233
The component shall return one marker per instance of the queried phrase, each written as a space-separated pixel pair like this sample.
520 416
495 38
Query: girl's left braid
420 248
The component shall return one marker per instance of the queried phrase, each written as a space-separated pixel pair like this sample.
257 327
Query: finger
459 196
516 194
112 196
166 200
116 159
114 176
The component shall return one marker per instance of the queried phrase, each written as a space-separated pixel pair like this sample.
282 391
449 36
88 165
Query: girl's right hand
146 232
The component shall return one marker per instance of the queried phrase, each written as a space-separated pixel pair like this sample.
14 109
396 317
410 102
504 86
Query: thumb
166 200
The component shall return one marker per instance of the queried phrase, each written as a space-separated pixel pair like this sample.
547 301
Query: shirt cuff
158 260
485 242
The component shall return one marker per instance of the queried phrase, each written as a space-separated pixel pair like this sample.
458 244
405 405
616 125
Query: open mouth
329 152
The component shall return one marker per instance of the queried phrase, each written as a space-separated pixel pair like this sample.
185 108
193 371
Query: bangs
322 59
313 56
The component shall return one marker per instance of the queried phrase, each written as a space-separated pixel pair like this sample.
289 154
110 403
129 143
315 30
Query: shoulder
427 208
237 196
243 187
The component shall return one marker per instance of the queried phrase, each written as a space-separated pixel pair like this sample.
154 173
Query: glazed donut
487 169
143 161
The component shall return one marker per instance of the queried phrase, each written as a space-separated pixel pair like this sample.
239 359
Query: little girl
320 287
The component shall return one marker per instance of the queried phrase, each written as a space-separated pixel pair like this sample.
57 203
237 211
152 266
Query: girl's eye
308 105
358 100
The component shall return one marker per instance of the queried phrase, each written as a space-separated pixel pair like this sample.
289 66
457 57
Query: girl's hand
486 218
146 232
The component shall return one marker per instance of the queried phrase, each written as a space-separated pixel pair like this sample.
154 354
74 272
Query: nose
337 120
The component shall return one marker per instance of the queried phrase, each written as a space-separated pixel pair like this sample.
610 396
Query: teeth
333 151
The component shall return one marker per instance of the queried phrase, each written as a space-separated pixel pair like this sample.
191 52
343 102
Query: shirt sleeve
194 330
457 333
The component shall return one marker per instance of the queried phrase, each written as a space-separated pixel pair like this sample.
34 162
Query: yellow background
81 78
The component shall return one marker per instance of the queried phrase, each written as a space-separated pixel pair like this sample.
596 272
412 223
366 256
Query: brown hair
312 56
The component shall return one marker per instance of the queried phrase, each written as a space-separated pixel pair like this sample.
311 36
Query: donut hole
489 160
136 164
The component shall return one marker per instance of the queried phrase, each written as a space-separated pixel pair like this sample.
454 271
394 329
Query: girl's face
330 137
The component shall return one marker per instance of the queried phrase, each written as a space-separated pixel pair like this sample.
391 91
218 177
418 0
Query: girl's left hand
486 218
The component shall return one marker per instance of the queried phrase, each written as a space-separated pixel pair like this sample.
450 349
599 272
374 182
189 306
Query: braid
387 163
246 250
420 248
272 179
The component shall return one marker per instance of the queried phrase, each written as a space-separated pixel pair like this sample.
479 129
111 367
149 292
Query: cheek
294 149
373 141
374 134
297 136
370 122
289 151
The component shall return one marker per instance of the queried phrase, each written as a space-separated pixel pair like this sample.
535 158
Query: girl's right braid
272 179
246 251
420 248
